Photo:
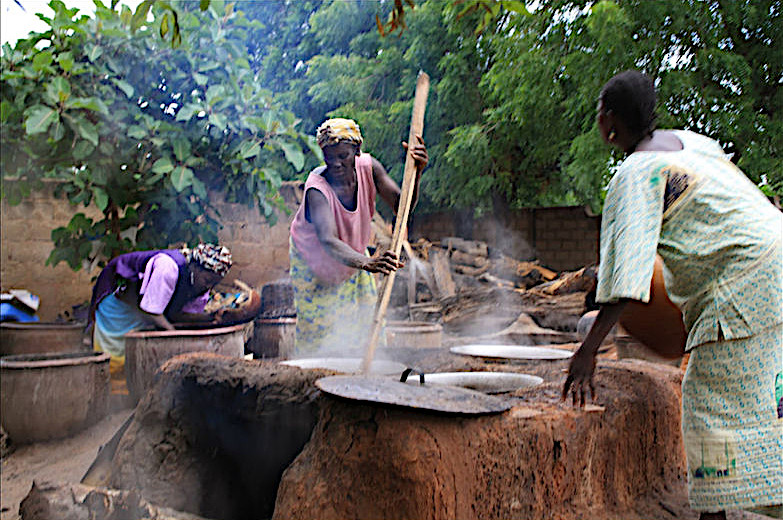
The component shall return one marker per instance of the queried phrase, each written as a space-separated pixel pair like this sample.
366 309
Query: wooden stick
403 212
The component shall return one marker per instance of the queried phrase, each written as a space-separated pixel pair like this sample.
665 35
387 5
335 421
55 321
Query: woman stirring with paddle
330 269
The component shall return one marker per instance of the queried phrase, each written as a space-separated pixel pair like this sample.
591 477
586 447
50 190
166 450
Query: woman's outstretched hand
383 263
419 153
580 377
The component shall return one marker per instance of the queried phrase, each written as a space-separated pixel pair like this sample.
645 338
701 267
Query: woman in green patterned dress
679 196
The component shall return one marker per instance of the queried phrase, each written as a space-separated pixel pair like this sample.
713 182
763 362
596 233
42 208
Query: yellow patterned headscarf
332 131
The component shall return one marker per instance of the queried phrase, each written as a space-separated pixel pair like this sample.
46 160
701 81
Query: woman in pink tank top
330 269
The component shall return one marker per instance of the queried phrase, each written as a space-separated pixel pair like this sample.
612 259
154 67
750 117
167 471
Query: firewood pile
467 286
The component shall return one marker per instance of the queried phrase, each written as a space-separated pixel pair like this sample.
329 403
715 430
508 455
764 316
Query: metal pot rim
52 359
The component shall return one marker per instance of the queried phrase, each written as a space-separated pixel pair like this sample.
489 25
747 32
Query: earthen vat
146 351
51 395
273 338
37 337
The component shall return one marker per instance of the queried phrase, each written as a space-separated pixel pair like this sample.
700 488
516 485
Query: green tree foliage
143 130
144 126
716 64
511 116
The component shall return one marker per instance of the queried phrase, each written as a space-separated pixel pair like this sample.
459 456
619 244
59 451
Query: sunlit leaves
38 118
293 153
181 177
162 165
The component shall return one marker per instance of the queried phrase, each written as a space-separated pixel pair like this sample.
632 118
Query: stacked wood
523 274
468 257
582 280
441 272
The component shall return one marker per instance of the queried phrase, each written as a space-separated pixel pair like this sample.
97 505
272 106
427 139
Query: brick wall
560 238
260 251
25 244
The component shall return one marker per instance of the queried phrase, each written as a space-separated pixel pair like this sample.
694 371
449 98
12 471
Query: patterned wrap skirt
331 319
732 422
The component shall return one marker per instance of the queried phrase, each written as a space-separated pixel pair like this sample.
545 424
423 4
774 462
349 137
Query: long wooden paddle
403 212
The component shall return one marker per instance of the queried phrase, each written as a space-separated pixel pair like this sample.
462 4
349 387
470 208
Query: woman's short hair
630 95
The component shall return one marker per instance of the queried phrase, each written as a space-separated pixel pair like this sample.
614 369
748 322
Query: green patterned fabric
331 319
720 240
731 428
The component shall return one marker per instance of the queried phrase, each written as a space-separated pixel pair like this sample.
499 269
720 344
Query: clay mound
215 434
622 459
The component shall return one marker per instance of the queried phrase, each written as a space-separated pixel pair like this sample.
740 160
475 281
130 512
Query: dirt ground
64 460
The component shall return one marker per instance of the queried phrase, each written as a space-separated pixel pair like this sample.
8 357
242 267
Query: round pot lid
346 365
435 398
512 352
487 382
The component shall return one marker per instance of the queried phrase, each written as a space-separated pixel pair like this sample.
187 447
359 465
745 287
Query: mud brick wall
563 238
25 244
260 251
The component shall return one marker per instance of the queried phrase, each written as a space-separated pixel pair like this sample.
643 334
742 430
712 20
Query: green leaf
66 61
126 87
38 118
90 103
181 178
516 6
215 93
57 90
93 52
293 153
200 79
162 165
164 25
199 188
249 149
203 5
82 150
137 132
101 198
188 111
43 60
219 120
140 15
5 110
84 128
58 130
181 148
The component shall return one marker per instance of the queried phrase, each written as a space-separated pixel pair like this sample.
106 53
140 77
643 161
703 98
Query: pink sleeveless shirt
353 227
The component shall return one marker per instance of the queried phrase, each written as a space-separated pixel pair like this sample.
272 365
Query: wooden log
575 281
511 269
444 283
470 270
460 257
471 247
